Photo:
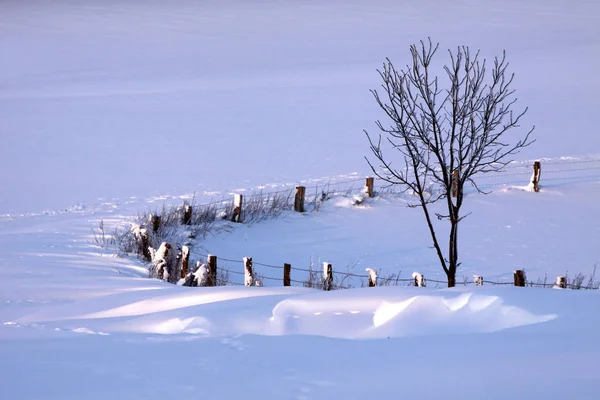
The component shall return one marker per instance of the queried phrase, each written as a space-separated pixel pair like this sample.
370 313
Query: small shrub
576 282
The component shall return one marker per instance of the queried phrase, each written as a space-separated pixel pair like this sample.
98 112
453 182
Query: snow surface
264 94
243 93
72 315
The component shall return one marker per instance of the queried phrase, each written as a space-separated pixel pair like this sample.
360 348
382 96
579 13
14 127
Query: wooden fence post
299 200
143 242
478 280
561 282
372 277
419 279
327 276
369 183
212 270
238 201
146 245
163 262
519 278
287 270
185 260
535 178
248 273
155 222
179 262
455 178
187 214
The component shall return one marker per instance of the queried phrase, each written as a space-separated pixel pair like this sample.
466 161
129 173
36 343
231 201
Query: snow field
108 108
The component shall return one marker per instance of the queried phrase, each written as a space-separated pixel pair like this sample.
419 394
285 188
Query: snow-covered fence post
187 214
238 201
561 282
146 245
372 277
185 260
163 264
327 276
519 278
155 222
478 280
142 240
419 279
455 178
369 186
202 274
287 270
535 177
248 273
299 199
178 262
212 270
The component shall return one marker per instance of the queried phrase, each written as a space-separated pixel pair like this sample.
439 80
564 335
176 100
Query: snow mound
465 313
368 315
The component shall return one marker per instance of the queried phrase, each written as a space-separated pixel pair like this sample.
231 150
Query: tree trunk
453 247
451 277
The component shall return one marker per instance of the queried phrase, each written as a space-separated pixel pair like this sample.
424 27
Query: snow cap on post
419 279
372 277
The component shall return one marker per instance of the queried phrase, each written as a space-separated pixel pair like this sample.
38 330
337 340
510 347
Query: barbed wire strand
268 265
484 176
290 189
230 260
528 164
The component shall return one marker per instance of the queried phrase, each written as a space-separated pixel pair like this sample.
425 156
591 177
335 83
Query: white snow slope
108 108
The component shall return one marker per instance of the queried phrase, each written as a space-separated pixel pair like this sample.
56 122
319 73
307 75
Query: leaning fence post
327 276
535 178
212 270
372 277
299 200
561 282
419 279
155 222
238 201
187 214
287 270
142 240
369 182
478 280
248 273
185 259
519 278
455 178
146 245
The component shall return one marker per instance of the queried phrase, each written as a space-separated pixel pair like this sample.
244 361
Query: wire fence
317 276
560 170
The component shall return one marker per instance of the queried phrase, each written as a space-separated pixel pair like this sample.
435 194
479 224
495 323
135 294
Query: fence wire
506 171
386 280
381 281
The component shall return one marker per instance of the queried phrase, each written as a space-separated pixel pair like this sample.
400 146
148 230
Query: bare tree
445 138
